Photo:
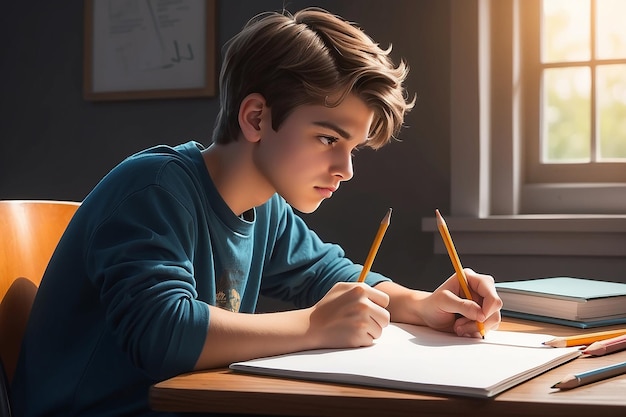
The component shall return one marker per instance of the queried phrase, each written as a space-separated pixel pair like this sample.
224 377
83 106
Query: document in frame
417 358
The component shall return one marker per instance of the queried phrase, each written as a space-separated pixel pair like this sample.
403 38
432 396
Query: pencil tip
555 385
387 219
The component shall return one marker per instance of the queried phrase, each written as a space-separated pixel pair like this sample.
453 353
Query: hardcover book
572 301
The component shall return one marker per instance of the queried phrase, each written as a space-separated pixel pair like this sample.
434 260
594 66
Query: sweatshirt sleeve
140 260
301 267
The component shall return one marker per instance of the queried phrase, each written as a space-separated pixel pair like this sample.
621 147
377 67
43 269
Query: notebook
582 301
418 358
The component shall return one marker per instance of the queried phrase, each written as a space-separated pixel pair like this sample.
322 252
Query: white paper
421 359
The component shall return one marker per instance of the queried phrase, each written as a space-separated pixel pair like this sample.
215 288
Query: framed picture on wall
149 49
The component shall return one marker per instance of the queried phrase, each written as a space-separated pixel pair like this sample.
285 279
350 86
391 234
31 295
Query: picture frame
153 49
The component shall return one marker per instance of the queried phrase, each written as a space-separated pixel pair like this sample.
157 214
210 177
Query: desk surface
223 391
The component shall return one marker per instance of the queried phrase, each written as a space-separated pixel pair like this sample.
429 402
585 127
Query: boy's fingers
483 286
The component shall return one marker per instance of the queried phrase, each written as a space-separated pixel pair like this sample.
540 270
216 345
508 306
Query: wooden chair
29 233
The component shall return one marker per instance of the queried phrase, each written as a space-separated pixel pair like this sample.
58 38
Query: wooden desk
223 391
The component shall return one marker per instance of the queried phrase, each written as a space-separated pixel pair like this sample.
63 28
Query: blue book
581 324
578 302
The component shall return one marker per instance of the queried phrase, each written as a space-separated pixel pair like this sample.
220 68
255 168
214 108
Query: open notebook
418 358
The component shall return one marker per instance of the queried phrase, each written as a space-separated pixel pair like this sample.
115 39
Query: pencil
584 339
604 347
573 381
456 262
384 223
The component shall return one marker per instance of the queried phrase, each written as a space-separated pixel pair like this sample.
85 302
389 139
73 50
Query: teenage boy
160 270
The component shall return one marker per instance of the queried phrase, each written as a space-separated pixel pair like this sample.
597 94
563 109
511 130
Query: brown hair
306 58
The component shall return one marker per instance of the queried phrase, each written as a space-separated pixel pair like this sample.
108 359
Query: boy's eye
328 140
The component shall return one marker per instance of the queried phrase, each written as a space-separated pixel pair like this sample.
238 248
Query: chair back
29 233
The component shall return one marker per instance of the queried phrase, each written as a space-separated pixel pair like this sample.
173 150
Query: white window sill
554 235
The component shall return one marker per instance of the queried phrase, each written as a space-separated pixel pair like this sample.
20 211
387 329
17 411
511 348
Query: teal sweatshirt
123 302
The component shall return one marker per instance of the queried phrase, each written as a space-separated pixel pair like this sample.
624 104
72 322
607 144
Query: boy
161 267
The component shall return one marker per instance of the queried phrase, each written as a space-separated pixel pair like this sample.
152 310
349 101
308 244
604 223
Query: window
501 202
575 64
573 80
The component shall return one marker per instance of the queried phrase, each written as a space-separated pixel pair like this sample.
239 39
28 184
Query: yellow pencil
584 339
375 245
456 262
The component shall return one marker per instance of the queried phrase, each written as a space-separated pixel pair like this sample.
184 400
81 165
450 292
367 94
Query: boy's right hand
350 315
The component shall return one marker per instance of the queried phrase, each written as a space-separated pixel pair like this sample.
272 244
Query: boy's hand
349 315
448 309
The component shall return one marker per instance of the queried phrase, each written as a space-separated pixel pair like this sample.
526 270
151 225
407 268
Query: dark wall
55 145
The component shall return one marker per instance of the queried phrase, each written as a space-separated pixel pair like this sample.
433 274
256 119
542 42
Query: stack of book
577 302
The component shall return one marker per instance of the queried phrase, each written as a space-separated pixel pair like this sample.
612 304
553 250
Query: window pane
565 30
566 115
611 29
611 87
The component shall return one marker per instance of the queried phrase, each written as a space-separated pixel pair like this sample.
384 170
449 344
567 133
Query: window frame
501 214
536 172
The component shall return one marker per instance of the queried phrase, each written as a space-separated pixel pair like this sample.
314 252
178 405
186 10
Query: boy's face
311 153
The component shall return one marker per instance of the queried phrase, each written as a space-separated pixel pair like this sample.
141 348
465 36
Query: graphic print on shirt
228 290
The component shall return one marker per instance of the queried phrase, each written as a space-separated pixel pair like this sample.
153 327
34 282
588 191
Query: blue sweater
123 302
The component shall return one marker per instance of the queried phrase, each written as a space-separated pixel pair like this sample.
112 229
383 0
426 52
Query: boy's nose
343 167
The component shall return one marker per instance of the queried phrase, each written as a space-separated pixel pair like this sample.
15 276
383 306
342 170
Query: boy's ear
251 112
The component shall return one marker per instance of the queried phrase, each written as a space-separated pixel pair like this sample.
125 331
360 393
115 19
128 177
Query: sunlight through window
583 64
